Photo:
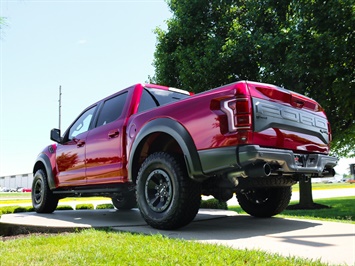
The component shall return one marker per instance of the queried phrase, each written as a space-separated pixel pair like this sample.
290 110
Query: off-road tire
125 202
264 202
167 198
43 199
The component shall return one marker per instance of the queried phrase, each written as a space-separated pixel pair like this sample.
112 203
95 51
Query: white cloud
83 41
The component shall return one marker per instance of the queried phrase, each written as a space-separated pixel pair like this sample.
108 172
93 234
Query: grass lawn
93 247
324 186
341 210
19 197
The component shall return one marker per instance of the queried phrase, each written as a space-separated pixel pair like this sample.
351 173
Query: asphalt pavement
330 242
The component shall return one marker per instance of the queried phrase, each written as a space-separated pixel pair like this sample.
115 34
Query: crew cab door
70 152
105 160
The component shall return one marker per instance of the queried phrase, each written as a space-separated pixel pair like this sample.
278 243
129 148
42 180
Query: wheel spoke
157 189
155 201
38 192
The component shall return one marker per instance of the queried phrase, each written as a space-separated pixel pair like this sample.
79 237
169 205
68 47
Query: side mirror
55 135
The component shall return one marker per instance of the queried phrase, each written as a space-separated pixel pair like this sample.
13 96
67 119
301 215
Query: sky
90 48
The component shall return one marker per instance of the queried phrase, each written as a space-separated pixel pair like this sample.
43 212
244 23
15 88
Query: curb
7 229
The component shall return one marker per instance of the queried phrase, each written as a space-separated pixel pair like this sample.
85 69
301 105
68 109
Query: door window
111 110
82 124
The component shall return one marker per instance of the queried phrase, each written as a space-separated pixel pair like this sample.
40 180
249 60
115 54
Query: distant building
15 181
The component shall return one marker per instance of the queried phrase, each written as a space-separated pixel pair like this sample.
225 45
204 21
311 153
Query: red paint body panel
105 161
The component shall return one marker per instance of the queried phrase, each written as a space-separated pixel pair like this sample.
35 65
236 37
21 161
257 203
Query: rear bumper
231 159
313 164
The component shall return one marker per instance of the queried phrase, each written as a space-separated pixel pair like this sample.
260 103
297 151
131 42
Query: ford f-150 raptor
160 149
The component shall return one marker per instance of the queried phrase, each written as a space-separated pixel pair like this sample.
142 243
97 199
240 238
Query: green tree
305 45
314 43
194 52
309 48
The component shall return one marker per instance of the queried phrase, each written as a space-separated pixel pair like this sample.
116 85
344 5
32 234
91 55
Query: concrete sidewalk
331 242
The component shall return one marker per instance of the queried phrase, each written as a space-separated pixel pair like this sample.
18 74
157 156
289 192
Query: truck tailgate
287 120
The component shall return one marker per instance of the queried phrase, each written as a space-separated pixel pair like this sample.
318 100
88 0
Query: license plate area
300 160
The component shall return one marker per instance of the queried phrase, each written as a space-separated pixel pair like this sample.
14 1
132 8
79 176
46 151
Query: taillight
238 111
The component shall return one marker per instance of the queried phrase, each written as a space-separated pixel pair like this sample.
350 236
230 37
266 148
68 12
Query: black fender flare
181 136
44 160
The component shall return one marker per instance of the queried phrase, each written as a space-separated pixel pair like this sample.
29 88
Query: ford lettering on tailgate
269 115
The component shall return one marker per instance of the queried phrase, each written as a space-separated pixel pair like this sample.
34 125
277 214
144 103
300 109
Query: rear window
152 98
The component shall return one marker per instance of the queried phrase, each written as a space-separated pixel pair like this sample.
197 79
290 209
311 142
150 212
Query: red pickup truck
160 149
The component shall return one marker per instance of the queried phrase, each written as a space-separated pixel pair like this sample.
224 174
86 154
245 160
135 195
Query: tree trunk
306 197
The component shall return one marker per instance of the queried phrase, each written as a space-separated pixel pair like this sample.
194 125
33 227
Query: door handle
80 143
113 134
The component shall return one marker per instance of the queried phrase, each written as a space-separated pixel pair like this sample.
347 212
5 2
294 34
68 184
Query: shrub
213 204
23 209
104 206
84 207
65 207
8 209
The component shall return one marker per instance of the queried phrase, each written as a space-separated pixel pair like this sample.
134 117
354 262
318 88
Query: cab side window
82 124
111 110
148 101
152 98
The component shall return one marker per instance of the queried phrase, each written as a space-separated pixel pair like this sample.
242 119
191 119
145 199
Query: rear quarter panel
200 115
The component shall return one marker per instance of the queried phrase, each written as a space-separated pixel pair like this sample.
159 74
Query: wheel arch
43 162
164 134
